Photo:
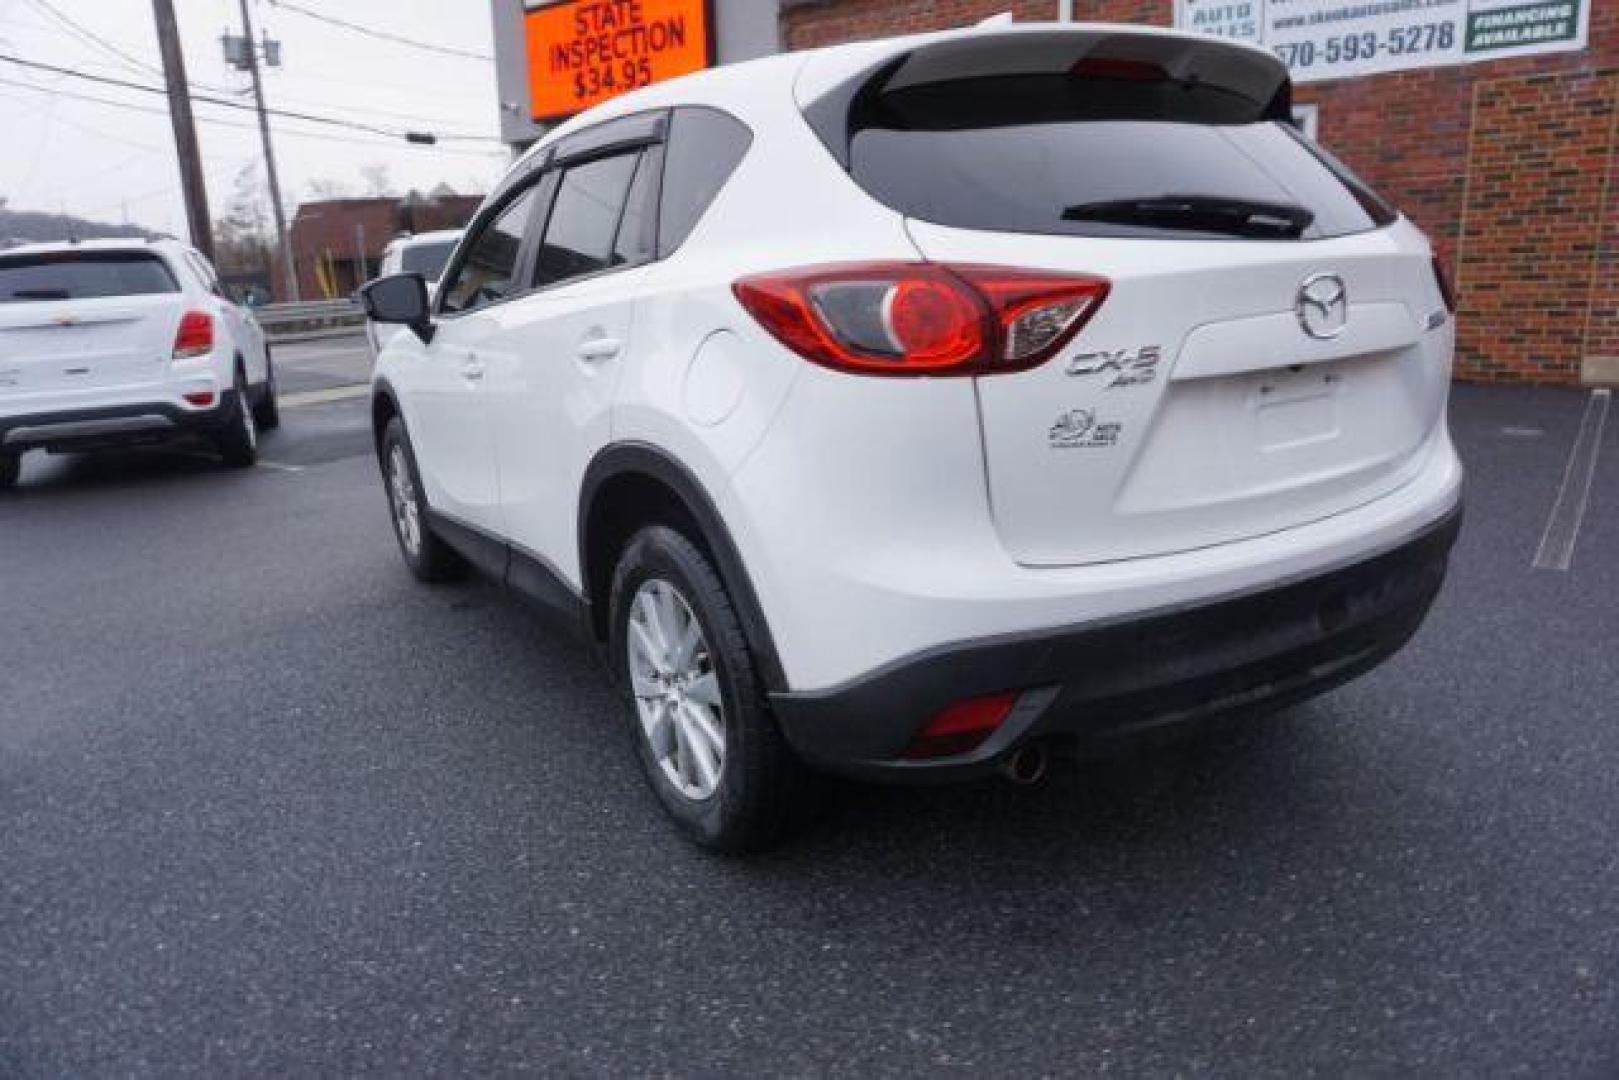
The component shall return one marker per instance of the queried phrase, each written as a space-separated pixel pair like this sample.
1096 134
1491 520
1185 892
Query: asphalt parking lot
269 806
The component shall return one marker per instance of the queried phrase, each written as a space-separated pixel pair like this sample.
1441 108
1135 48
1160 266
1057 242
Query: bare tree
323 190
241 235
377 181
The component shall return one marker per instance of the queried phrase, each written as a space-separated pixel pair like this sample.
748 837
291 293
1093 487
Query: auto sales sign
1331 39
583 52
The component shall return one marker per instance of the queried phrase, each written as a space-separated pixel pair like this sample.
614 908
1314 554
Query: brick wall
1511 166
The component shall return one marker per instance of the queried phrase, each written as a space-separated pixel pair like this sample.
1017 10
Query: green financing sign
1522 24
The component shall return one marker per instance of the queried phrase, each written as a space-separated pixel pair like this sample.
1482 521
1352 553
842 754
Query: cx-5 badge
1129 368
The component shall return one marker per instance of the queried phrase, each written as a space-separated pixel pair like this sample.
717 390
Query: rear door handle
597 349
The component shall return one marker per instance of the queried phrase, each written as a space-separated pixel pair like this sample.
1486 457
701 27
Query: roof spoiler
1250 75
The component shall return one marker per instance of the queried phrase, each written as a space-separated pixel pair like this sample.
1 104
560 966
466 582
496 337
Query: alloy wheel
677 692
402 494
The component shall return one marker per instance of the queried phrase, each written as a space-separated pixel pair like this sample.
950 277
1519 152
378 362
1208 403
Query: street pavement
271 807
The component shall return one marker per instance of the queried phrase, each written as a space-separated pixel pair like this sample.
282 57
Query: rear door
1274 347
85 321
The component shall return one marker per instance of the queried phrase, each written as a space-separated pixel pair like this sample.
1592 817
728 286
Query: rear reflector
899 318
200 398
195 336
961 727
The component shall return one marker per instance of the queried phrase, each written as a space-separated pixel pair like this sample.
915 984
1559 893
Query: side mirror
399 298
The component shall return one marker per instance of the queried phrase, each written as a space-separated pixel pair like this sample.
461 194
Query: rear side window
580 235
704 148
83 275
1101 148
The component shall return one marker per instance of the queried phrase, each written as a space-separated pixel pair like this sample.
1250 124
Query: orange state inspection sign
582 52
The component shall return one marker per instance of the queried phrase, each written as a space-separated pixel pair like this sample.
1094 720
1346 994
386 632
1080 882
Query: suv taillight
898 318
195 336
1445 290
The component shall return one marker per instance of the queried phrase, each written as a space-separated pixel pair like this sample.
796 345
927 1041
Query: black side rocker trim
517 568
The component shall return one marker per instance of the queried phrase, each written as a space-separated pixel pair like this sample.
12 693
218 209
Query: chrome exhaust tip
1026 765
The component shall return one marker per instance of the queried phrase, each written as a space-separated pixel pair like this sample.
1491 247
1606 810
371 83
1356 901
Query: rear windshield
1125 151
426 259
83 275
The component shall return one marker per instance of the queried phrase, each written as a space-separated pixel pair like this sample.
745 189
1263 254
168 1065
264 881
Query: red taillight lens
922 318
961 727
200 398
1445 289
195 336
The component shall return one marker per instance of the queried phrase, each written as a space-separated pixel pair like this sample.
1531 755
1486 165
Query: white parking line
1556 551
324 397
276 466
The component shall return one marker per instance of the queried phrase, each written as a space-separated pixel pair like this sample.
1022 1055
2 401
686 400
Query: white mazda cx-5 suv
920 407
107 343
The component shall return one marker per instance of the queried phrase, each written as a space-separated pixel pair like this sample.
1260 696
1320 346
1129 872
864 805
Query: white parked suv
419 253
114 342
919 407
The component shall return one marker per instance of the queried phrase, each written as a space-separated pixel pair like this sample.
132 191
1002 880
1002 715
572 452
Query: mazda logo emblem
1322 305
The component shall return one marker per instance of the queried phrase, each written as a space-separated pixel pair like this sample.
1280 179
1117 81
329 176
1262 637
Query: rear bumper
1098 686
114 425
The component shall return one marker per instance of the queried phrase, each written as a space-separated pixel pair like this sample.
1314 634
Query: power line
95 39
132 63
239 105
217 122
380 35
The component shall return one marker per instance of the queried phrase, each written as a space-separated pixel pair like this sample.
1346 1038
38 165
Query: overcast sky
101 161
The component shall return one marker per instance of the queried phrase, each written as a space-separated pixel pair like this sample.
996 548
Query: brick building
331 239
1508 164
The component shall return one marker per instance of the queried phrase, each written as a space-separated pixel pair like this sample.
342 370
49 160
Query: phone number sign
583 52
1333 39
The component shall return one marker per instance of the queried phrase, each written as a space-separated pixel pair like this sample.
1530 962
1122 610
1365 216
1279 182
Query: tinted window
486 274
82 276
1091 156
704 148
584 219
426 259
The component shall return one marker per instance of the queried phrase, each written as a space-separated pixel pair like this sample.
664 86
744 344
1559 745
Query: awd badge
1078 429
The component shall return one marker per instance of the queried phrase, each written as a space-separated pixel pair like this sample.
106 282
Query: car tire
238 440
747 799
429 558
267 413
10 471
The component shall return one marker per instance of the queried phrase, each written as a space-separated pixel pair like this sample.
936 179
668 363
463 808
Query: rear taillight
1445 290
961 727
922 318
195 336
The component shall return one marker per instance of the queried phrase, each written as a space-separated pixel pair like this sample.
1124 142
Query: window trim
536 180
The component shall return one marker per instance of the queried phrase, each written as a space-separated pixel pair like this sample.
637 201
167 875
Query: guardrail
309 317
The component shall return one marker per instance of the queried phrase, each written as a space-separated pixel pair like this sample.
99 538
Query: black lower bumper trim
1097 686
91 429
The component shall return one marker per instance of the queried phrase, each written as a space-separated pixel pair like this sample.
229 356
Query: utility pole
362 272
288 270
185 129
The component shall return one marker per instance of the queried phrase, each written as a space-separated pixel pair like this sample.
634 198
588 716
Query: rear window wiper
1198 213
41 294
